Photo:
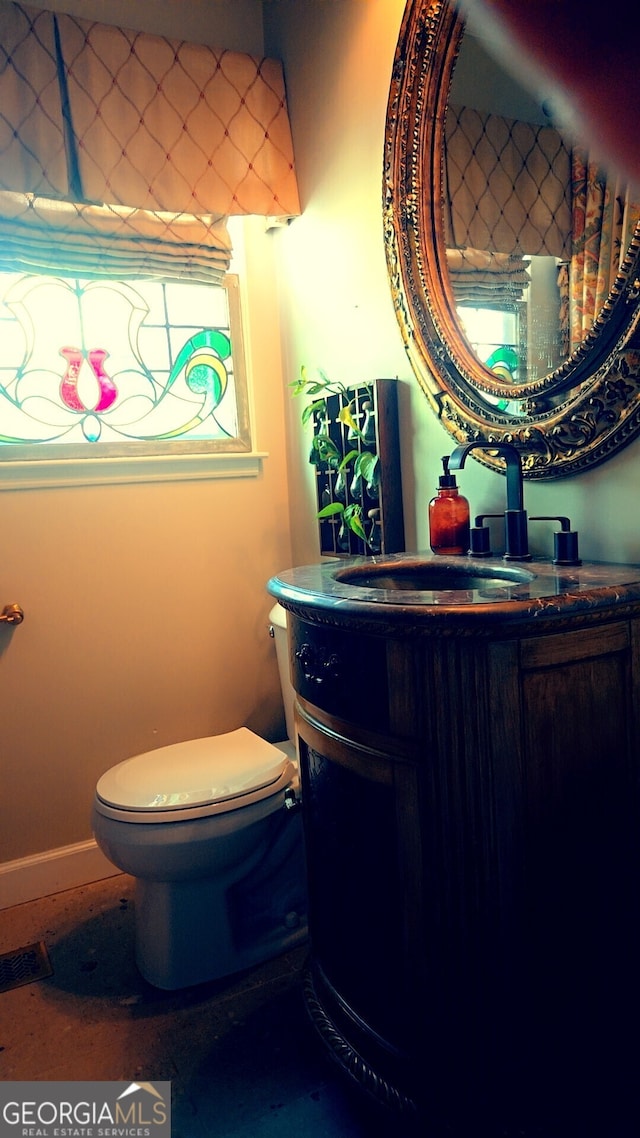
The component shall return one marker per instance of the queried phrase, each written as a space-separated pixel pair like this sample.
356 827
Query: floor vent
24 965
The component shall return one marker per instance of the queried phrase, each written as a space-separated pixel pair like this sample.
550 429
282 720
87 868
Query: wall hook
11 614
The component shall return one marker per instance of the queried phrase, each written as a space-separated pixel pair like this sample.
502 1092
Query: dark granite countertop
541 592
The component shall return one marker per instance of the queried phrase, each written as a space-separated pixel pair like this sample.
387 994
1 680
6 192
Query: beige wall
146 611
235 24
338 312
146 614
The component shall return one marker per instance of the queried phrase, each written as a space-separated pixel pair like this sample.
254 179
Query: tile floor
242 1060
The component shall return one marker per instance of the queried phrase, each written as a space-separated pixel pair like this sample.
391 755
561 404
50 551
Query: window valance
508 185
138 139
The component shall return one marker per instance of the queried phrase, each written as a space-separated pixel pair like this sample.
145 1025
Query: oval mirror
514 259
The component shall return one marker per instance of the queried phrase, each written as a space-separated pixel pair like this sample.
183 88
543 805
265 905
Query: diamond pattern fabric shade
509 185
134 136
176 126
483 278
32 145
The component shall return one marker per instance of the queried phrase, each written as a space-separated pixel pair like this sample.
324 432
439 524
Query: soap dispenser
448 516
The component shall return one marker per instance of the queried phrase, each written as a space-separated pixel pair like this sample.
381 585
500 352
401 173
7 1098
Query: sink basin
422 576
430 595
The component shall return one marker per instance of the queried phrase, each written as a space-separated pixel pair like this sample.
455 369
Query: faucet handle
565 541
480 536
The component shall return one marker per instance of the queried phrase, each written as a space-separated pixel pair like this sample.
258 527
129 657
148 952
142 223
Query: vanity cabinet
471 808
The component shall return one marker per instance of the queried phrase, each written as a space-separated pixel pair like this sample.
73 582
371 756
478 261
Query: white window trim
42 468
56 473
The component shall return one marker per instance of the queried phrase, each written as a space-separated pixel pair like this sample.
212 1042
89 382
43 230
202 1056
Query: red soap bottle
448 516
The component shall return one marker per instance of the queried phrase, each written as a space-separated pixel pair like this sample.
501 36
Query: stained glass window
100 367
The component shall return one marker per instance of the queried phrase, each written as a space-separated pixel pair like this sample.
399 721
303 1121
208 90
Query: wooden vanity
470 765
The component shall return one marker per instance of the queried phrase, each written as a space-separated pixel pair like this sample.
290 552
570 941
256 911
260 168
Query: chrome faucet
515 516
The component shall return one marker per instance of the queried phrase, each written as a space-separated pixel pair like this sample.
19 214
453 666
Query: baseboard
39 875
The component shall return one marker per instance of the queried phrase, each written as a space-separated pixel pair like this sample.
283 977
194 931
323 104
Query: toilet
210 829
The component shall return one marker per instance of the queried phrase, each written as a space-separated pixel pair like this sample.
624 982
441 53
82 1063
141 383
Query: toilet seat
194 779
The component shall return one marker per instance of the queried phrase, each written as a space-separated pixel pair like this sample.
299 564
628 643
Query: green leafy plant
324 449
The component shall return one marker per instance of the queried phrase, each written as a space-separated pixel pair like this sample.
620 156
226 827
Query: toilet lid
220 772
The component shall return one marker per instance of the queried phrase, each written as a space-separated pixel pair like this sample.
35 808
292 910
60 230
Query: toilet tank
278 622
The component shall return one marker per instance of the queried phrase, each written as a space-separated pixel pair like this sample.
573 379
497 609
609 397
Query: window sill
55 473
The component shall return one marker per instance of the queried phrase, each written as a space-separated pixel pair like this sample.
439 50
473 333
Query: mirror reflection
535 230
513 258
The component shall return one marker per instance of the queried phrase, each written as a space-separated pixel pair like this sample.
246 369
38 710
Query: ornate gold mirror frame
569 420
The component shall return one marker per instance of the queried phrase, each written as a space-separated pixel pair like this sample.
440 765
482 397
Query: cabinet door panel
355 890
581 871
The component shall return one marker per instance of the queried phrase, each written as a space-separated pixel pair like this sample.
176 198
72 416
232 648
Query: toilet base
192 951
191 932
